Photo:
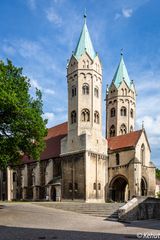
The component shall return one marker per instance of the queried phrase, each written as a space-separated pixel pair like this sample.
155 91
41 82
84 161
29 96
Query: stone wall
73 177
140 208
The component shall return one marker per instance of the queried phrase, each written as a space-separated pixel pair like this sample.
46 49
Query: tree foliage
157 173
22 128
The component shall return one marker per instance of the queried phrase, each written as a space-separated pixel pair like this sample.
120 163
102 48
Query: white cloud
50 116
127 12
28 48
53 17
152 126
49 91
35 84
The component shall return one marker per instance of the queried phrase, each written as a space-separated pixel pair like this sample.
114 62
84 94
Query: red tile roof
53 142
124 141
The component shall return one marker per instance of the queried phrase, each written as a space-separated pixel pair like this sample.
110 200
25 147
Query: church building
79 163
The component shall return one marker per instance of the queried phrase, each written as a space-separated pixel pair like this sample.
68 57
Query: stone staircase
105 210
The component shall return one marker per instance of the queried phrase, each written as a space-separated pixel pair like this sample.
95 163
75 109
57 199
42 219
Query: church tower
84 77
120 103
84 147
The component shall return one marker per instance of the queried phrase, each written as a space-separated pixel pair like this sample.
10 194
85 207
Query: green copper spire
84 43
121 74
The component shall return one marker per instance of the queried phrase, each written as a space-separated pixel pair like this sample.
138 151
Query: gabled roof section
53 143
121 74
124 141
84 43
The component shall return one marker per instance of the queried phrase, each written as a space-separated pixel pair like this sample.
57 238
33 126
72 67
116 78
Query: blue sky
40 35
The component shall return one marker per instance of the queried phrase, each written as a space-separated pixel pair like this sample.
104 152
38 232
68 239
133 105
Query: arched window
117 158
85 89
123 129
123 111
94 186
96 66
143 154
76 187
131 113
99 186
113 112
122 91
74 91
84 64
125 92
70 187
33 178
85 115
131 129
87 64
112 131
14 177
96 92
96 117
73 117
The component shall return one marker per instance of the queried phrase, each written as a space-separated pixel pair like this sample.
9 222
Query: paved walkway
29 221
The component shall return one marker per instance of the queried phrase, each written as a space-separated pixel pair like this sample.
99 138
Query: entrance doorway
53 193
119 189
143 187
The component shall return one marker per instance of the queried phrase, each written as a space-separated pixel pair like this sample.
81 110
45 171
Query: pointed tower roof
121 74
84 43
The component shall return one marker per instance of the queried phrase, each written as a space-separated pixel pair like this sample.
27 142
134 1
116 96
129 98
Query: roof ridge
57 125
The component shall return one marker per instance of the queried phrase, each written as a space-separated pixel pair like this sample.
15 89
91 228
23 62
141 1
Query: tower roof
121 74
84 43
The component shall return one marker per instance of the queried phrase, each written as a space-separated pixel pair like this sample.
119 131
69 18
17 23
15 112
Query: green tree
22 128
157 173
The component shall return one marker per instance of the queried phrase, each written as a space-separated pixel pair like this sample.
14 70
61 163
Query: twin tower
84 144
84 75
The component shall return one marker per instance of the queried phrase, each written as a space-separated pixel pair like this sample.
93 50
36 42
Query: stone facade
78 162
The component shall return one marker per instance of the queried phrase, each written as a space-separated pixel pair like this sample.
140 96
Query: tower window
96 117
4 176
142 154
74 91
85 115
76 187
123 111
131 129
73 117
87 64
122 91
70 187
125 92
96 92
112 131
131 113
94 186
123 129
113 112
84 64
117 159
99 186
85 89
14 177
